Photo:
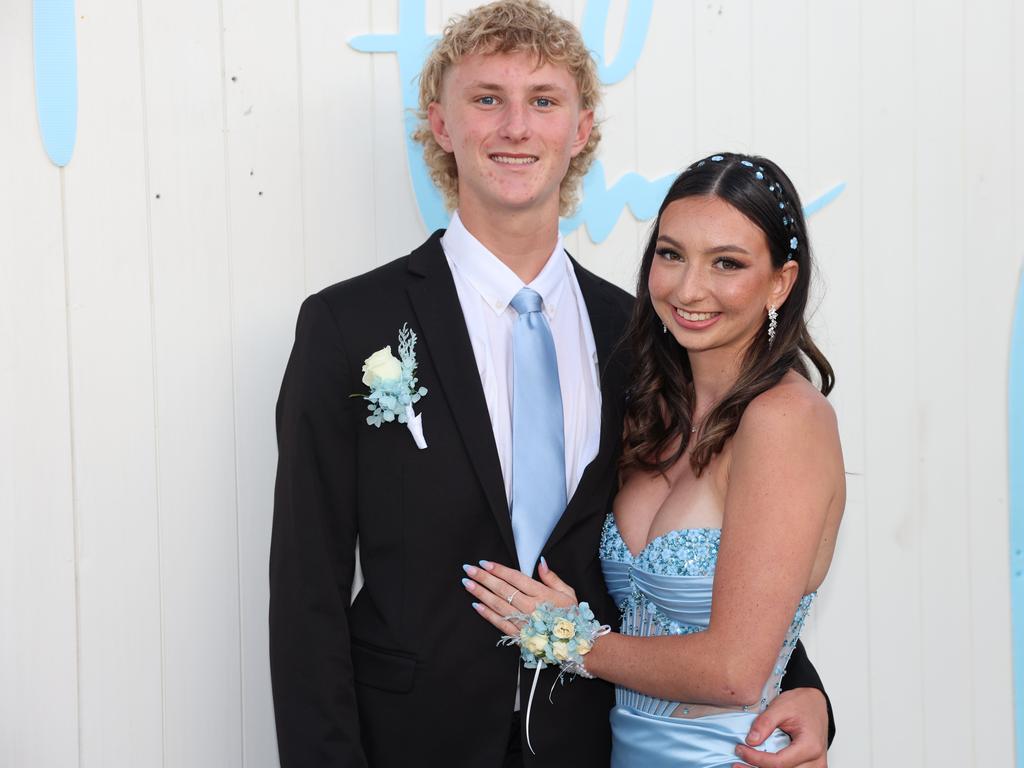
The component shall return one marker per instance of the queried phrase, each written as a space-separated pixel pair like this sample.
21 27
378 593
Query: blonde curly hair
505 27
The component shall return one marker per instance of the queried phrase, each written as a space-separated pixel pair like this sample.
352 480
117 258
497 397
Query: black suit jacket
409 674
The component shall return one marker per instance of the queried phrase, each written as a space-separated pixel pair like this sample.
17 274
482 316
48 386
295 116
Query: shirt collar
493 280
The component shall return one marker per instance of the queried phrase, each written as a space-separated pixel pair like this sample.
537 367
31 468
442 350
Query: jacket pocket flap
385 670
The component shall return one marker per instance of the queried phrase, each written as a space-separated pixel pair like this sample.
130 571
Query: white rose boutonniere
381 367
392 383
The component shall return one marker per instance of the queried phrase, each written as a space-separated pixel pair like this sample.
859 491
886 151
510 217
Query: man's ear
583 129
438 126
783 283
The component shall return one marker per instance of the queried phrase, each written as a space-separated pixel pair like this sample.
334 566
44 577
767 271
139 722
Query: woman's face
712 278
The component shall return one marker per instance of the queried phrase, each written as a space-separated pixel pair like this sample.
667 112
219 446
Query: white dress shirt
486 287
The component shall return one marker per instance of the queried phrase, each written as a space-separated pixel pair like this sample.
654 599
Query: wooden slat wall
233 157
38 608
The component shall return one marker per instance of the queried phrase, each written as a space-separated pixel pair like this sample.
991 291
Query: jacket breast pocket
385 670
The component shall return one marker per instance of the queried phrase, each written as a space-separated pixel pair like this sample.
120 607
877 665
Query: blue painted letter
56 66
1016 413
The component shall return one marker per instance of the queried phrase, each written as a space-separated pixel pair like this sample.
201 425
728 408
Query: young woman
732 481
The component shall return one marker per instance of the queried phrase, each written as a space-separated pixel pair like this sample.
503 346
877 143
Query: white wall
233 157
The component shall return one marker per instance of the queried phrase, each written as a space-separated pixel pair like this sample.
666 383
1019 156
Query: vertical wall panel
38 643
990 235
266 256
941 395
1017 258
397 225
725 110
890 371
839 638
616 257
337 129
665 107
194 400
779 93
112 402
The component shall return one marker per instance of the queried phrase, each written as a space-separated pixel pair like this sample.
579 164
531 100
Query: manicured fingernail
477 607
468 569
486 565
468 584
543 561
754 737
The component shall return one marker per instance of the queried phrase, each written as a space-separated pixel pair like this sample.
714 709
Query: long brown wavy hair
659 411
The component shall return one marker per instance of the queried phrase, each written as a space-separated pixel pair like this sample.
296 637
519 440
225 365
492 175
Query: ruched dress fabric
666 590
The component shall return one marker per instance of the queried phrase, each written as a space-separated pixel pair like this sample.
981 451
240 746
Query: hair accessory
773 317
774 187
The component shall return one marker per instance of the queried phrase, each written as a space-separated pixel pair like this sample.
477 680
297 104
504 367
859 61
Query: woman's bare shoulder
793 409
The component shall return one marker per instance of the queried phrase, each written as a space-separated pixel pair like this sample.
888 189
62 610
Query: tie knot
526 301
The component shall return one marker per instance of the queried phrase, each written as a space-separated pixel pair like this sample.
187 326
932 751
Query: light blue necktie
538 440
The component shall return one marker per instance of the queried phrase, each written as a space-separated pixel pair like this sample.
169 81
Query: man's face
513 127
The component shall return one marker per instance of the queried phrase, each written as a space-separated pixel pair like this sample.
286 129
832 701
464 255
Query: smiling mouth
696 317
514 159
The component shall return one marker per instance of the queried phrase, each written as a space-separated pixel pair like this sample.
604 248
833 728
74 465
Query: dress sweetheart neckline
659 537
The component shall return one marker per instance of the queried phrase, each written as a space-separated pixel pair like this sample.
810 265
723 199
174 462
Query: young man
408 674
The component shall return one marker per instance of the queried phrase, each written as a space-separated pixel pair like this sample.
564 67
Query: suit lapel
606 323
439 313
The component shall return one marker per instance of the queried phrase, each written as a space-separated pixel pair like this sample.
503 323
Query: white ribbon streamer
415 424
529 704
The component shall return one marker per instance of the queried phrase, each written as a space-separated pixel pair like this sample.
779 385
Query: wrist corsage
557 637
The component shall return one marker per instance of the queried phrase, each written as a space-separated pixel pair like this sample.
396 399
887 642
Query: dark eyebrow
728 248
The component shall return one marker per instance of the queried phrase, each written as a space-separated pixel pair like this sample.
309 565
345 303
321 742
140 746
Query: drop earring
773 317
664 328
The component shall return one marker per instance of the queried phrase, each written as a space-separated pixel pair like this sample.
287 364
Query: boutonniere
392 383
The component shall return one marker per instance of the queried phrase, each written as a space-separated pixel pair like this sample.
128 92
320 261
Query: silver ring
512 597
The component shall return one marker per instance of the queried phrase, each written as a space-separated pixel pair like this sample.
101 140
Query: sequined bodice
666 590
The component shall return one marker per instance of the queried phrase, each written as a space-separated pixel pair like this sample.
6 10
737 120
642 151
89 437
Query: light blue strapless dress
666 590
